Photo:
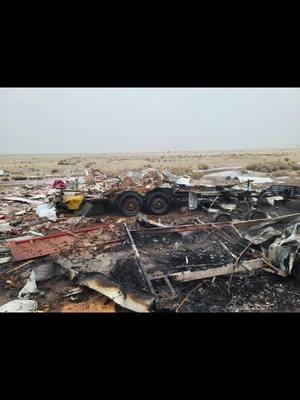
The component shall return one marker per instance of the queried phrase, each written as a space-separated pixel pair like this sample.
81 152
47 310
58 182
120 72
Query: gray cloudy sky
102 120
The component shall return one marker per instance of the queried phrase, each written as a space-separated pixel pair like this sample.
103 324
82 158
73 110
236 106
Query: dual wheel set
131 203
243 212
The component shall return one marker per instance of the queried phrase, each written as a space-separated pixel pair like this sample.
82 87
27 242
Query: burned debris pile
148 241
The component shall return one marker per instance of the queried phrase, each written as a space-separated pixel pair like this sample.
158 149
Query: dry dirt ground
273 162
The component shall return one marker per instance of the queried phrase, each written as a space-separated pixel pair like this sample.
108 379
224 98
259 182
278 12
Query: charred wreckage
139 263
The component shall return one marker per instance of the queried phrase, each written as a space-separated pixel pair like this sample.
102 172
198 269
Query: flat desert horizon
273 162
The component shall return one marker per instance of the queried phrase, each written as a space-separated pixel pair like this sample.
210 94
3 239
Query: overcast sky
103 120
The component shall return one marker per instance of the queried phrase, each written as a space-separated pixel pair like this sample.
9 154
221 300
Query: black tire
296 272
256 214
98 208
222 217
238 213
130 204
85 210
157 203
244 205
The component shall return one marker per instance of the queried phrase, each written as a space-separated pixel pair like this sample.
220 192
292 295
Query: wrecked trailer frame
147 300
230 202
155 196
246 230
288 192
158 200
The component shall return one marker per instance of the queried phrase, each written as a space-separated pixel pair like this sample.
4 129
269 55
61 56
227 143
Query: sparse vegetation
181 170
196 175
54 171
269 167
66 162
202 166
296 167
180 163
277 174
89 164
19 178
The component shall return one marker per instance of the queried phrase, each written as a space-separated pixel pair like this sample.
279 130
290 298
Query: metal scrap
19 306
134 300
46 245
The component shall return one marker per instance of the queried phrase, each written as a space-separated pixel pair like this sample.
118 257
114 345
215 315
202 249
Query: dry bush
19 178
196 175
202 166
66 162
269 167
286 159
276 174
179 170
54 171
296 167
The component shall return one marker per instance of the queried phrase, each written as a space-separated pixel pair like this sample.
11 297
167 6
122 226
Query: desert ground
273 163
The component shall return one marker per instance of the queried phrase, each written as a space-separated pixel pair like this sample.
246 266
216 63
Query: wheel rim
158 203
131 204
257 216
223 219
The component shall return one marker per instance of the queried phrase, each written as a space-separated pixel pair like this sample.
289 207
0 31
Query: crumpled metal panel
42 246
24 250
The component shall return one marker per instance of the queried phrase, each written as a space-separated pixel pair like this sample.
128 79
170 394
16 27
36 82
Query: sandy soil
20 166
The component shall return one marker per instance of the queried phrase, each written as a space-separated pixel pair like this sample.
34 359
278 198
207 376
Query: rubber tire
84 210
252 215
218 217
150 200
296 272
126 196
244 205
238 213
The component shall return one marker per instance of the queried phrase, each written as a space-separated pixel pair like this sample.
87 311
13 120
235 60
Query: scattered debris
46 211
19 306
59 184
30 287
21 200
224 237
5 260
132 299
46 245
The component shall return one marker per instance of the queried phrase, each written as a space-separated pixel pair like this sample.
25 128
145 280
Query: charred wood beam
228 269
180 228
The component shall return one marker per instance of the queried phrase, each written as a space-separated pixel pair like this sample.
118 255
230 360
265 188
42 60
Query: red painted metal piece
44 245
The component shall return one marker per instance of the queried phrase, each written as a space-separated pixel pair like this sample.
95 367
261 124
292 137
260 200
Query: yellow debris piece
73 202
